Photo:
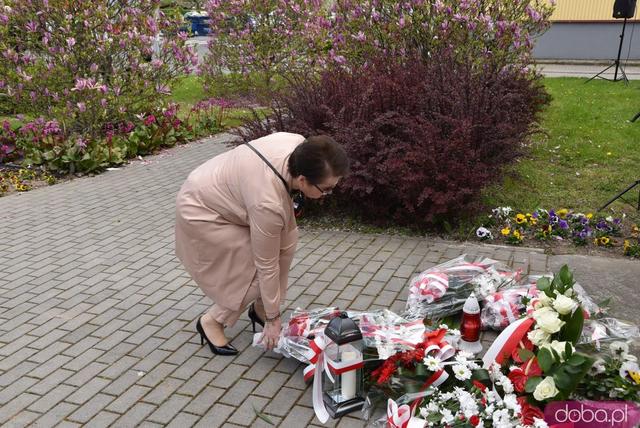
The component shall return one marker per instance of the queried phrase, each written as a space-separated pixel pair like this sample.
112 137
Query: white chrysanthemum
619 348
473 365
468 404
433 407
466 354
433 363
501 417
461 372
539 423
511 402
494 371
493 397
506 384
447 396
447 416
460 359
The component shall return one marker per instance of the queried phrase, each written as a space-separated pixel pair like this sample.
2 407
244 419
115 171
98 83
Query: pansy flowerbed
543 226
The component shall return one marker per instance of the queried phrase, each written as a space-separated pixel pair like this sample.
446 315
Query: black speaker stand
619 195
616 63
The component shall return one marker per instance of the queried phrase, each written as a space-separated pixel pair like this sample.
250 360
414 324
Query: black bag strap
286 186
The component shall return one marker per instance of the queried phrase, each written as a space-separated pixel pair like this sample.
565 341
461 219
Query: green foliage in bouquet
562 284
614 376
561 370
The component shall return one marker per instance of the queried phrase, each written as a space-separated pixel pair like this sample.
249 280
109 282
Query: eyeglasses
324 192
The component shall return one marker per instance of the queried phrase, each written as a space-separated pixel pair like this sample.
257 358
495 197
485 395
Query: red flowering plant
431 363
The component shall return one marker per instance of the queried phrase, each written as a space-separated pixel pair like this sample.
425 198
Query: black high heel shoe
253 316
227 349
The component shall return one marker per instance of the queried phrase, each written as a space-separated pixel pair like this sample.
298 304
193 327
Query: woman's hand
271 333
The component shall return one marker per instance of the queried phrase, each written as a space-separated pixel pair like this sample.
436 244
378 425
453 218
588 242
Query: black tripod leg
624 76
599 74
635 117
620 194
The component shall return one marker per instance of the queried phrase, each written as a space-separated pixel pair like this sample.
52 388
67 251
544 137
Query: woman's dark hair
317 158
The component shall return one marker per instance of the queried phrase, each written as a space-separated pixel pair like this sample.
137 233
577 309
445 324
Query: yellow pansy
562 213
533 221
506 231
517 235
589 215
520 218
604 240
626 245
596 241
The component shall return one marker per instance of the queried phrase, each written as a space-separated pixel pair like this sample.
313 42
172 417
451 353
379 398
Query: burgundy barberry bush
423 138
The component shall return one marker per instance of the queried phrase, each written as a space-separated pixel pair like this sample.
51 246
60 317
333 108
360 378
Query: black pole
615 75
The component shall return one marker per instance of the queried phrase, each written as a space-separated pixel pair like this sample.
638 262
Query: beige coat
234 218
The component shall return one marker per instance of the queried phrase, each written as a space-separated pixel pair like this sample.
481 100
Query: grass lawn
587 153
188 91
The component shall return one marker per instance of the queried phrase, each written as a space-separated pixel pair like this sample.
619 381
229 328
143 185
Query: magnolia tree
258 38
88 66
268 38
499 30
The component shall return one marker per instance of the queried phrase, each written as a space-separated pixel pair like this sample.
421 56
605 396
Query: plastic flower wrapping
382 330
442 290
509 304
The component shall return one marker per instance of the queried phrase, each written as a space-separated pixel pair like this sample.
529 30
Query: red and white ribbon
432 285
439 348
507 341
409 333
398 416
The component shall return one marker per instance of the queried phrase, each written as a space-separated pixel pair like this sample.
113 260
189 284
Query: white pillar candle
348 379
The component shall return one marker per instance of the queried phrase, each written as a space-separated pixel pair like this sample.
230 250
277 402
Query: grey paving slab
97 316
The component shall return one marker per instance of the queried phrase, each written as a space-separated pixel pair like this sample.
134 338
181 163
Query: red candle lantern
470 326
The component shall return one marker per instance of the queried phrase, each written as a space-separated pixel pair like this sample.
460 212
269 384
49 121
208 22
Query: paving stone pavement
97 316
